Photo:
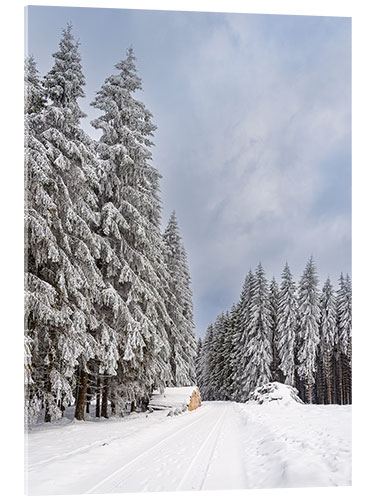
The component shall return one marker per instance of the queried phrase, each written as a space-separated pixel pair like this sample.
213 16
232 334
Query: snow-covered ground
220 445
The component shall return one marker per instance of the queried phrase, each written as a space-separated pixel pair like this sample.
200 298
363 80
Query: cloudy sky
254 132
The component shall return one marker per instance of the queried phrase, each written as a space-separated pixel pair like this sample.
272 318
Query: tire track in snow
188 478
98 487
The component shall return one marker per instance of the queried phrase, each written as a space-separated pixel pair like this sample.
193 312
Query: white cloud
260 124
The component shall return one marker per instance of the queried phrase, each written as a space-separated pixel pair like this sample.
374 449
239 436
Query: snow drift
275 392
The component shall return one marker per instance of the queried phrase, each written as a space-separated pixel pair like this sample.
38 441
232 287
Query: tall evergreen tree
287 326
308 326
327 331
258 346
207 364
38 309
228 345
240 358
216 376
274 312
62 247
199 363
180 307
130 220
344 330
77 172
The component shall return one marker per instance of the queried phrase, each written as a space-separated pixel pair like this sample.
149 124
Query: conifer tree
38 310
179 306
199 363
344 331
308 326
62 208
258 346
207 364
228 344
239 318
130 220
77 175
274 312
239 357
287 326
220 358
327 331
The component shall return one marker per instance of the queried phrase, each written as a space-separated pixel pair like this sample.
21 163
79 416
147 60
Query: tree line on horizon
108 308
294 334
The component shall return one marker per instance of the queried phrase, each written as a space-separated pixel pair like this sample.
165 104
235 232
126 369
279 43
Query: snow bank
274 392
297 445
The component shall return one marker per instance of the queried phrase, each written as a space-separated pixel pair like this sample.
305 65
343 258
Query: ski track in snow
222 445
181 461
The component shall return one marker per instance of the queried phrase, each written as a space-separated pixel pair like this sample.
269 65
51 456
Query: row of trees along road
291 334
108 301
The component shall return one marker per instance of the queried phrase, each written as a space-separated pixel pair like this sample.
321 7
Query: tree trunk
347 382
105 399
113 405
98 384
320 382
80 405
340 380
78 383
309 392
88 398
47 413
61 406
133 406
334 378
329 396
350 374
144 403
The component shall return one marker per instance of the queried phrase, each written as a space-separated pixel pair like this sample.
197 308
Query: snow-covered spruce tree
274 311
62 246
287 326
235 388
180 307
52 316
207 364
77 172
130 220
348 335
37 310
327 335
229 331
344 338
239 357
218 360
258 346
199 363
308 326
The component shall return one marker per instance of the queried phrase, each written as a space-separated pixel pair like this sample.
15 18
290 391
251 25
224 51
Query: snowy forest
296 335
108 298
109 306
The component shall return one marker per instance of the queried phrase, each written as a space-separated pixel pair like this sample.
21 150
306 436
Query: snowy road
187 459
222 445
